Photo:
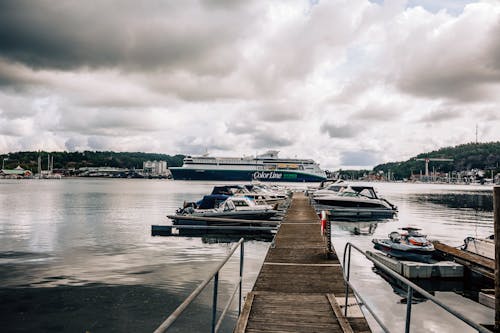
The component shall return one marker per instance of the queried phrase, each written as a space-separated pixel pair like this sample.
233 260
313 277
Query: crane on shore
427 160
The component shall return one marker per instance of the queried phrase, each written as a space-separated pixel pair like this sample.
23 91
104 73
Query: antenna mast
476 134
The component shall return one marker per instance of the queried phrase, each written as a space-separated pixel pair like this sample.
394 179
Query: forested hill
465 157
69 160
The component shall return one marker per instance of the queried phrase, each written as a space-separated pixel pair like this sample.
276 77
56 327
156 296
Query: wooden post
496 208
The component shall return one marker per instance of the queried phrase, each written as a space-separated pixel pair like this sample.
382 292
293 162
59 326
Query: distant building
155 168
16 173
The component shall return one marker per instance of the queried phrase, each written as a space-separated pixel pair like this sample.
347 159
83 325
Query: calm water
76 255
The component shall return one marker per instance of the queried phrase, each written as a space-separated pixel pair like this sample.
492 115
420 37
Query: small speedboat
225 207
408 245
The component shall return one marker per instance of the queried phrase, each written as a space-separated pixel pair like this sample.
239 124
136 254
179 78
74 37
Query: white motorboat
224 207
258 193
354 202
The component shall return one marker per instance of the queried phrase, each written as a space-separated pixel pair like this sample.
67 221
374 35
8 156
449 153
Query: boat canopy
226 190
211 201
367 191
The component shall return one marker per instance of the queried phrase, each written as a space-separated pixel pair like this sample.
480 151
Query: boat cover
211 201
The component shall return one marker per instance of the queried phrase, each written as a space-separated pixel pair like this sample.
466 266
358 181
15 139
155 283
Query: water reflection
469 201
400 288
430 285
358 228
90 241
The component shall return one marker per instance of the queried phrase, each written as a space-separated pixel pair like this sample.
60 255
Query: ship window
240 203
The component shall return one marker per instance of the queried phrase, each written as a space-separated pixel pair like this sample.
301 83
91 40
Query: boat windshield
241 202
348 194
229 205
368 193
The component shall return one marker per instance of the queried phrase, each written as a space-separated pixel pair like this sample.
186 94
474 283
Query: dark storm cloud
441 114
119 34
339 131
239 128
195 145
98 142
494 48
464 85
262 136
359 158
280 112
107 122
377 113
267 140
73 144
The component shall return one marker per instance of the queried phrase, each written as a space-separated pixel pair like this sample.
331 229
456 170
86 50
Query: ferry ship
265 167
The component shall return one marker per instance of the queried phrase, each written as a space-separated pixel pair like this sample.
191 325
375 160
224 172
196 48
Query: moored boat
409 245
224 207
353 202
482 246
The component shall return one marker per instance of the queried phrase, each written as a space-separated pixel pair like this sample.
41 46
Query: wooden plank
346 327
464 255
299 264
241 325
220 219
353 308
496 230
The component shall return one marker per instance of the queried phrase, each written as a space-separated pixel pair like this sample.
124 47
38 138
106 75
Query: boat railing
411 287
216 322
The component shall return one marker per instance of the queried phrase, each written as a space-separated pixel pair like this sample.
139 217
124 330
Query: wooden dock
298 288
475 263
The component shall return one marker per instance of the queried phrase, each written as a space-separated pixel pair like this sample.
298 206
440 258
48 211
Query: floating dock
419 270
298 288
475 263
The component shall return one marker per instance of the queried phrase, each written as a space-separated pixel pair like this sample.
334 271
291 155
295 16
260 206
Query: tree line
482 156
74 160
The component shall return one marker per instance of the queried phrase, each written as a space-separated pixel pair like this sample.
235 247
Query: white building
155 168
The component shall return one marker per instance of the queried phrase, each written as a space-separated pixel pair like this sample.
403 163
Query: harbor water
77 255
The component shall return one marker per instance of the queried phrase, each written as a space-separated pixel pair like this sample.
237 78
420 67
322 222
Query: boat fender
323 222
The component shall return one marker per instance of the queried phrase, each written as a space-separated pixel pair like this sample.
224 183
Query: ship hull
243 175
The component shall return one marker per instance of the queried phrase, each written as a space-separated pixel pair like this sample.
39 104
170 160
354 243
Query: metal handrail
411 287
215 275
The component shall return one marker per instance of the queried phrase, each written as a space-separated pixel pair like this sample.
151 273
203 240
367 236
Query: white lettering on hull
266 175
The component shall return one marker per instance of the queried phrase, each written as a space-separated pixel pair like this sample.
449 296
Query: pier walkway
298 288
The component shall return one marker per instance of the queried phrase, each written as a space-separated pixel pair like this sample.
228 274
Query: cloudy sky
350 83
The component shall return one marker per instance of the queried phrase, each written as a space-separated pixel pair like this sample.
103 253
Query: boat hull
356 214
482 247
420 255
262 215
180 173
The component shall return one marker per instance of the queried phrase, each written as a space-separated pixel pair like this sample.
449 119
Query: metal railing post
214 275
242 254
329 231
409 300
347 277
214 303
